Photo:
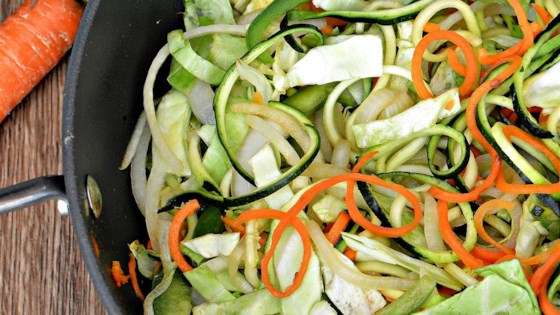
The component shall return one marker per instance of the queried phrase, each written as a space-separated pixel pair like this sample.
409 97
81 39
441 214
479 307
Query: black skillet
116 42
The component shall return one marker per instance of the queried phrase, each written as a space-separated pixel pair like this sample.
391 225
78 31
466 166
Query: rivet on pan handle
25 194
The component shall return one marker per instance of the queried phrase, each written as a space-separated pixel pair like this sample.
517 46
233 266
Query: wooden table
41 270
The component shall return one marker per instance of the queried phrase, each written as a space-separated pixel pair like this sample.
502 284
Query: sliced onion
457 16
323 170
138 179
492 192
251 144
287 122
274 137
225 184
330 110
234 261
341 153
132 146
148 90
255 77
399 103
434 239
154 185
374 104
149 108
471 170
251 253
516 214
246 19
240 186
164 251
351 274
406 153
201 101
484 162
326 147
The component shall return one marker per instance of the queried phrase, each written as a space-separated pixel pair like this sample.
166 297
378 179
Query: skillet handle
34 191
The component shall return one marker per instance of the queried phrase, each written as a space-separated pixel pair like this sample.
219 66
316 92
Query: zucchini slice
222 94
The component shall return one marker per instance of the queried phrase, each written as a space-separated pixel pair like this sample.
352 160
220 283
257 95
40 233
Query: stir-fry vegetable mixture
351 156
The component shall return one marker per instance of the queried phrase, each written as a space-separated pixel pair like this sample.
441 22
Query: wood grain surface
41 270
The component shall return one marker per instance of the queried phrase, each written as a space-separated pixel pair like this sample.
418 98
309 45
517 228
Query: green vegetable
206 12
209 222
257 28
286 264
145 259
205 281
504 290
173 114
309 98
397 127
176 299
378 251
260 302
412 299
215 160
185 55
365 61
226 49
213 245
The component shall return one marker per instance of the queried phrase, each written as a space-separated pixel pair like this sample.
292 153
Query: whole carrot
32 41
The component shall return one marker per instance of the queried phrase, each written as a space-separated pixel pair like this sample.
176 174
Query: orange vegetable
368 225
33 40
454 63
542 13
491 207
541 276
487 255
431 27
118 274
175 234
286 218
506 257
470 58
133 278
513 131
258 98
241 229
355 212
451 239
546 306
350 253
338 227
514 63
518 49
542 257
95 246
229 222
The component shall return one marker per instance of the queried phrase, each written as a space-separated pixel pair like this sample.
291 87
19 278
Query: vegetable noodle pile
351 156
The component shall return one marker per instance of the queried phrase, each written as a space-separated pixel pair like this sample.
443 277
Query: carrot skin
32 42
